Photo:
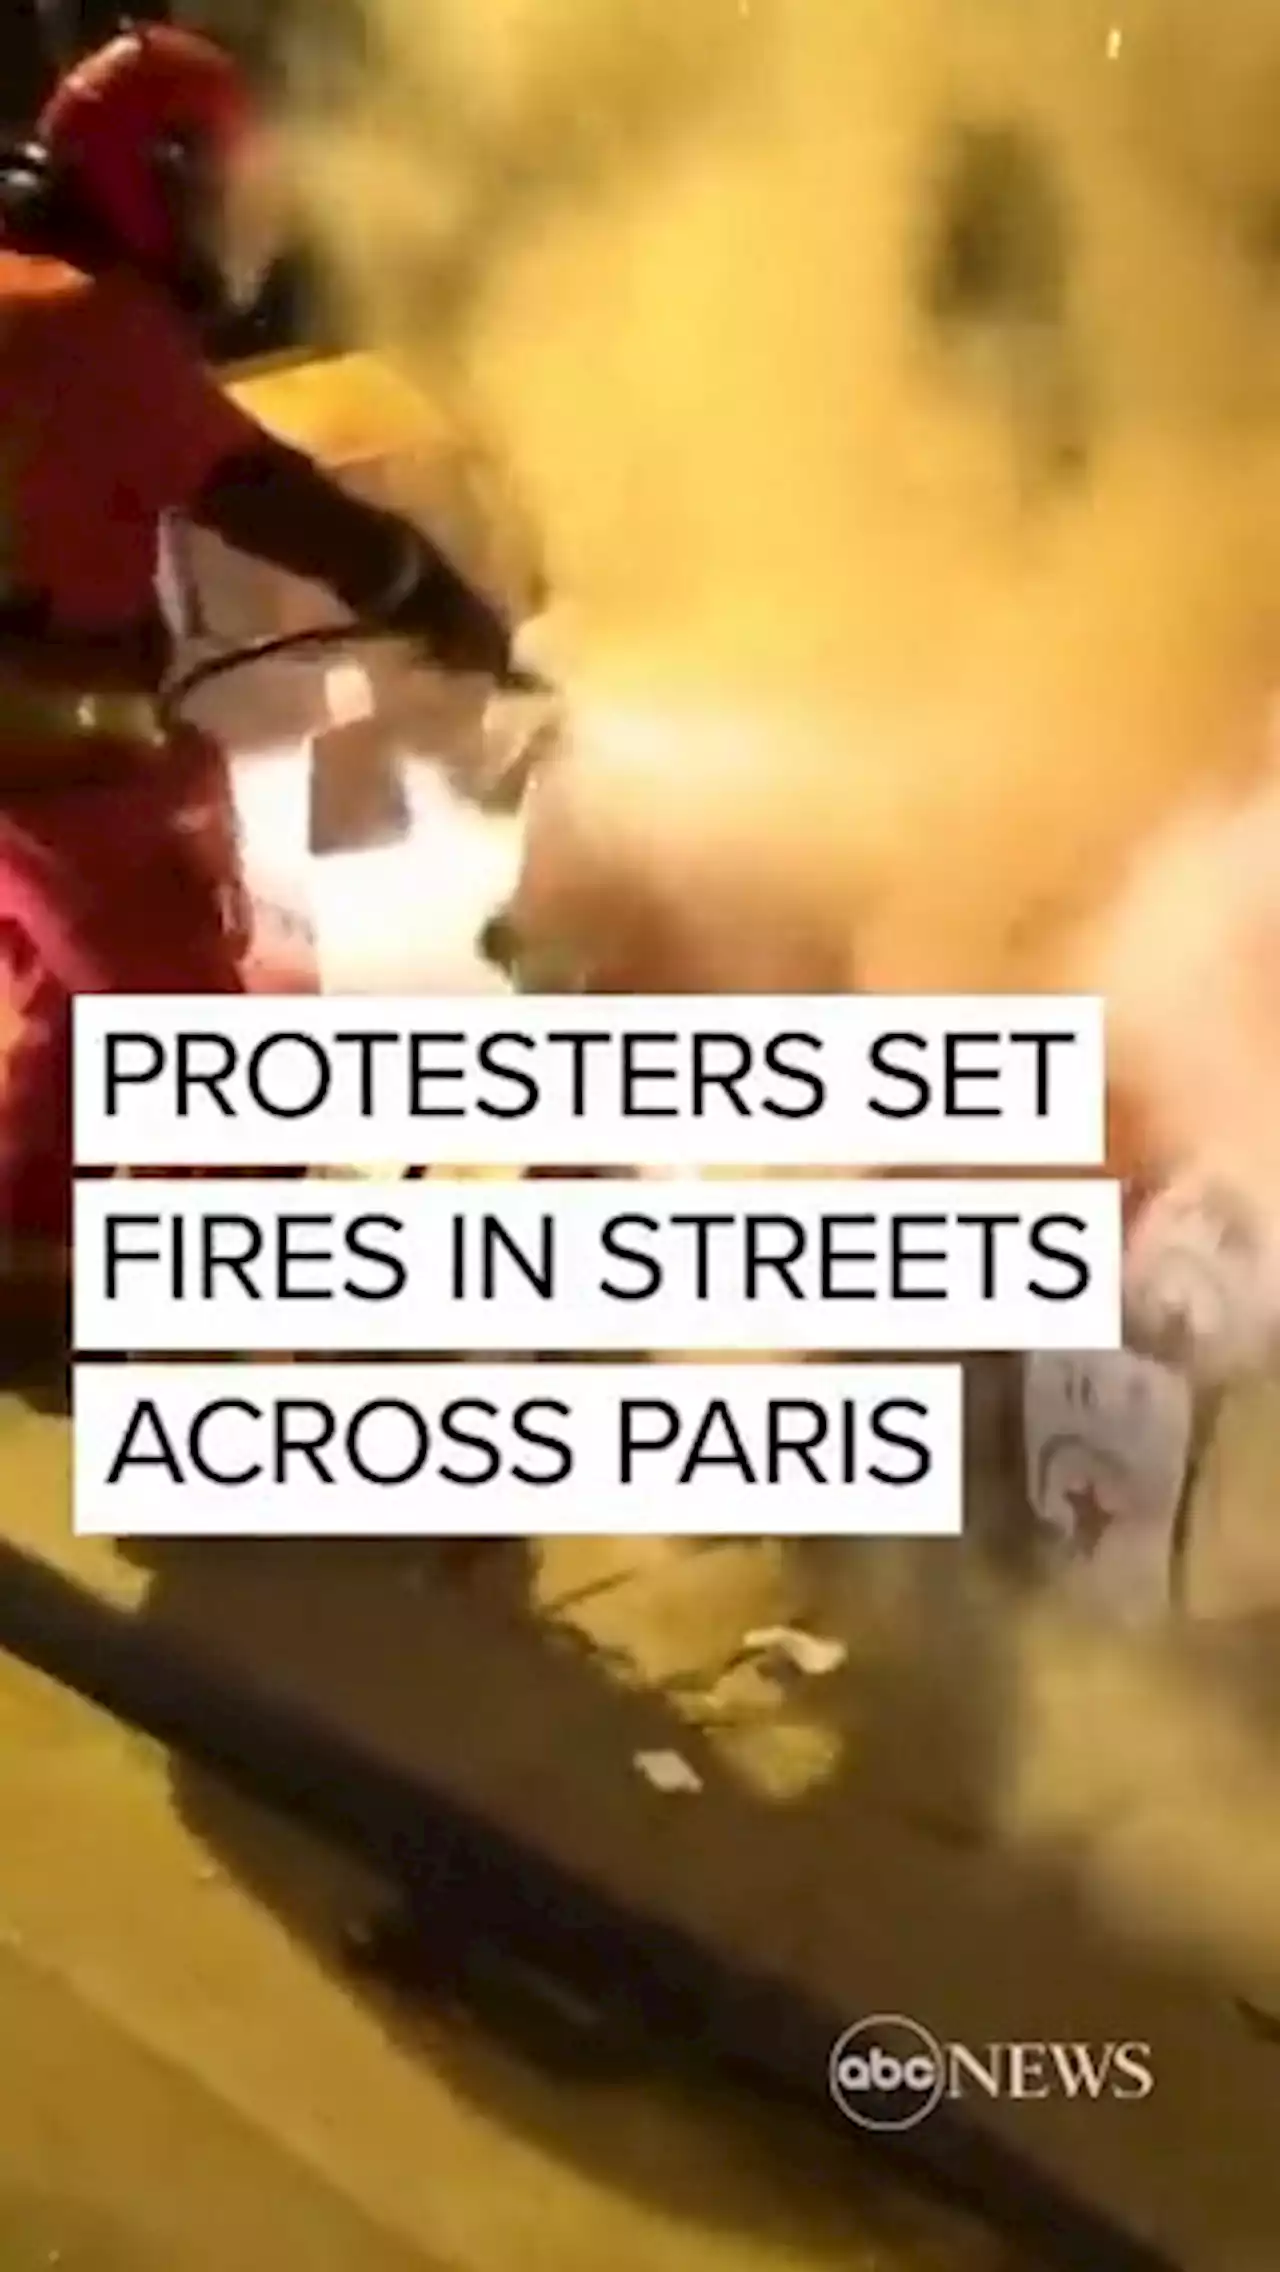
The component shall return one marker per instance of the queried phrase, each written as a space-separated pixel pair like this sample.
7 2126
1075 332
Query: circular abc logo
887 2072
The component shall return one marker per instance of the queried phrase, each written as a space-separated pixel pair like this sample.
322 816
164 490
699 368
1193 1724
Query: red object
124 888
108 421
107 123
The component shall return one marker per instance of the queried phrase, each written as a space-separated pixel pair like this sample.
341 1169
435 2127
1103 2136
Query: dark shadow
444 1668
662 2131
654 2124
887 1887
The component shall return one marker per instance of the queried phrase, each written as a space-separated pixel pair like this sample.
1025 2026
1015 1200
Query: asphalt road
192 2086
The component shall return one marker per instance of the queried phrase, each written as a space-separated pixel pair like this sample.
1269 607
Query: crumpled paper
1202 1283
1111 1437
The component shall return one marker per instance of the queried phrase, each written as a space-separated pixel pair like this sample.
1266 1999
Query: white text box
196 1266
690 1081
445 1451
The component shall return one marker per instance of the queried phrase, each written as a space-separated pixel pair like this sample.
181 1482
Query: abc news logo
889 2072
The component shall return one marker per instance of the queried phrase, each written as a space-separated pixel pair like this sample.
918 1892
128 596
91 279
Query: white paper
1108 1441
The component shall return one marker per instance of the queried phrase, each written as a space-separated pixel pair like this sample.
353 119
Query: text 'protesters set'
758 1264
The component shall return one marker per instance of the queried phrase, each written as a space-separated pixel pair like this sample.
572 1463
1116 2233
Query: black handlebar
316 639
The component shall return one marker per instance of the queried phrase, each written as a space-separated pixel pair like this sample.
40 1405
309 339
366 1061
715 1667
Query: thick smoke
894 387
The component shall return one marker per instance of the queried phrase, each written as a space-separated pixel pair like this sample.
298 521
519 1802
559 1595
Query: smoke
1140 1766
894 388
1189 958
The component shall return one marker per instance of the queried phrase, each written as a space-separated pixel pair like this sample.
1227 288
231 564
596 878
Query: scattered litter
668 1772
807 1653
